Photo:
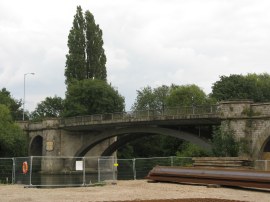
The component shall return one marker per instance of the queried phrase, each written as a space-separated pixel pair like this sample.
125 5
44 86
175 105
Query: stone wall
250 122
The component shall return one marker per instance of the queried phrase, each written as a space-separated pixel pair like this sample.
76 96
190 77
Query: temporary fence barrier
42 171
6 170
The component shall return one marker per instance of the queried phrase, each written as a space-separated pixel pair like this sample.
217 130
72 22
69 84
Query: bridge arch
121 142
143 130
262 144
36 145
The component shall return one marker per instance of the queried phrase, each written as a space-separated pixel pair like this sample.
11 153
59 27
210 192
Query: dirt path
129 190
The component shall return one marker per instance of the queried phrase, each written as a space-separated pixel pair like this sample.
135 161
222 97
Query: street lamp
24 91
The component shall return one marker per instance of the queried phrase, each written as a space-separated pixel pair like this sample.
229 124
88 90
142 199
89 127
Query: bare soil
137 190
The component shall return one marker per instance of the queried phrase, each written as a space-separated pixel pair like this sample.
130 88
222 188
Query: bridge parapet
192 112
52 123
243 109
234 109
260 109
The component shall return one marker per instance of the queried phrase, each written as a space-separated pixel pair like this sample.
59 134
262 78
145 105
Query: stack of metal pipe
227 177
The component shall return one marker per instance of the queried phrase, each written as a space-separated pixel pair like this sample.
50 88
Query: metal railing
79 171
162 114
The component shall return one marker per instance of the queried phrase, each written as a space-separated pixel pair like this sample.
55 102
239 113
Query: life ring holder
25 167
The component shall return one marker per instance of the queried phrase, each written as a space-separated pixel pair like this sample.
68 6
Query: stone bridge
96 135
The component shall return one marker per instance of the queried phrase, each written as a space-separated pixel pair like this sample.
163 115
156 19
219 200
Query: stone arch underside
35 146
143 130
121 142
262 144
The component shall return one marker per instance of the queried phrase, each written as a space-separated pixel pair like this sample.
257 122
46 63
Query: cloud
147 42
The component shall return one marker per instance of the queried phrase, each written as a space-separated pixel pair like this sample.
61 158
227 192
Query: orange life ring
25 167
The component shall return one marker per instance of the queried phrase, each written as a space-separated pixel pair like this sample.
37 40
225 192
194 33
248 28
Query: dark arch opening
36 146
267 146
121 142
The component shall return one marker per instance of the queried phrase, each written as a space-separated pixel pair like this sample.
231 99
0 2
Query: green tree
224 143
186 95
188 149
13 104
95 55
75 63
13 141
148 98
50 107
86 57
251 86
92 97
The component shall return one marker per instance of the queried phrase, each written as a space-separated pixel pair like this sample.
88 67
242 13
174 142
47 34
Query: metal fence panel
91 170
144 165
181 161
57 171
126 169
107 169
19 176
6 171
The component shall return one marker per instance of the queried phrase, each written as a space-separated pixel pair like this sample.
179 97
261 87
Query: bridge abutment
251 125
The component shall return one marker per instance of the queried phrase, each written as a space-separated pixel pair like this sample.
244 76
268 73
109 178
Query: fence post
98 171
134 168
83 171
31 163
13 171
171 160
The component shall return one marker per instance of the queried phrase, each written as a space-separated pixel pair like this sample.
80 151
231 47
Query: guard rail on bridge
193 112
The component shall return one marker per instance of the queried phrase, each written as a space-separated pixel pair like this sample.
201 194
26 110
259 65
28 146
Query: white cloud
147 42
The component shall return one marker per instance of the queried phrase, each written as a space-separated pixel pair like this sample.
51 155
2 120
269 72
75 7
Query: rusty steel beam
228 177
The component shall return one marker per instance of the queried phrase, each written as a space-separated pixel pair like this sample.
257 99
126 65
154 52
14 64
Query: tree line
88 92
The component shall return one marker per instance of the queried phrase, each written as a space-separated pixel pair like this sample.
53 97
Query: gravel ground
136 190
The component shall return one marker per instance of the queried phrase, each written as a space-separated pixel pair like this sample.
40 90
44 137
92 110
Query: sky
147 43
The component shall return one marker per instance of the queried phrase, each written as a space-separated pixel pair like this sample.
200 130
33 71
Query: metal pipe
242 178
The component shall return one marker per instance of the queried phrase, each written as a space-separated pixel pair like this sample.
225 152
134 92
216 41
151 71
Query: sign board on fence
79 165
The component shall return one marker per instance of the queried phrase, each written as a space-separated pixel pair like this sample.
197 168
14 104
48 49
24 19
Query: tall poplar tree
95 55
75 63
86 57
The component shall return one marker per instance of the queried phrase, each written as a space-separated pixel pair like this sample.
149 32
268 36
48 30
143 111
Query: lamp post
24 91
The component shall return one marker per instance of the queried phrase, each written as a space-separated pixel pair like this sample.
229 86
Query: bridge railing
143 114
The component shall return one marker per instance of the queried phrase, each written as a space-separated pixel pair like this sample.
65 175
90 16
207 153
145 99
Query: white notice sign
79 165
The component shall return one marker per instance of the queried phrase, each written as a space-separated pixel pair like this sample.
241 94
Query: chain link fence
42 171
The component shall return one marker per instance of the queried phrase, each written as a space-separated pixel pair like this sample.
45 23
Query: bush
224 143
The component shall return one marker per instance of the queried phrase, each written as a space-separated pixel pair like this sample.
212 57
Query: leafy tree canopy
188 149
186 95
92 96
252 86
12 139
86 57
148 98
224 143
50 107
13 104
